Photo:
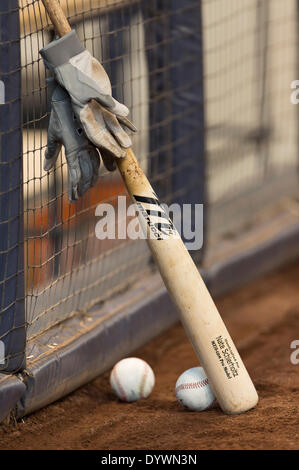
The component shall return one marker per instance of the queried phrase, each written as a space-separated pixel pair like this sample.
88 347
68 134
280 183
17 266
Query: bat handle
57 17
62 27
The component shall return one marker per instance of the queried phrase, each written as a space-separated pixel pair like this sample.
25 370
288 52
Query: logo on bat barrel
119 221
157 219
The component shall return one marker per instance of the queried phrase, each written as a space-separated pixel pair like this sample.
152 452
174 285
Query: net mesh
68 269
249 62
251 126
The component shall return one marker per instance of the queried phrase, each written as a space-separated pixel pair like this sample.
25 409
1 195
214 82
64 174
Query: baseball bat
211 341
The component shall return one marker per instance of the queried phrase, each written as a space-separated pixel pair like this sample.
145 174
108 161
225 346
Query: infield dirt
263 319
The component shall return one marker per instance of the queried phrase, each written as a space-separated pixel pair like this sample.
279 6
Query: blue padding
12 310
173 34
187 102
54 374
175 58
11 391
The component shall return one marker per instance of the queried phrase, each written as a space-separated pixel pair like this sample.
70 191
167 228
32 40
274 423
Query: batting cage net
208 84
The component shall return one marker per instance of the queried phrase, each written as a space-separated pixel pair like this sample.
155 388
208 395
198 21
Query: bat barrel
212 343
215 349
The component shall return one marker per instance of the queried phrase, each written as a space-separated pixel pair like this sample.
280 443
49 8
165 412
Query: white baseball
132 379
192 389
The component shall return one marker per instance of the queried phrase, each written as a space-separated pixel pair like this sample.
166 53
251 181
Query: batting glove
103 119
82 157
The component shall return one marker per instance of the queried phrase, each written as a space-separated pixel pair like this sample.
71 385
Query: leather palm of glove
82 157
103 119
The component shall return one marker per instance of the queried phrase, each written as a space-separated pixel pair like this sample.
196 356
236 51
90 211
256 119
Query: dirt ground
263 319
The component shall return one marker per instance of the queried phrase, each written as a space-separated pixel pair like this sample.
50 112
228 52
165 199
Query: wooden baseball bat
212 343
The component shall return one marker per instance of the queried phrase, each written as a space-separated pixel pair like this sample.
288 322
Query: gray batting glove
103 119
82 157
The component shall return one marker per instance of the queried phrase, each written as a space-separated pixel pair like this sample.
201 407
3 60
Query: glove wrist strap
61 50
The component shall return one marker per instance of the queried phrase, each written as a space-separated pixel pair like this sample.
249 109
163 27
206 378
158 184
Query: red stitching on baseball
192 385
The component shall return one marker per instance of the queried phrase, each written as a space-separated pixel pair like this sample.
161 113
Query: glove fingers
119 108
96 130
115 128
73 181
53 145
50 159
83 169
89 164
125 122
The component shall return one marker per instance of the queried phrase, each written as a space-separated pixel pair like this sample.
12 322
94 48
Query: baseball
192 389
132 379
